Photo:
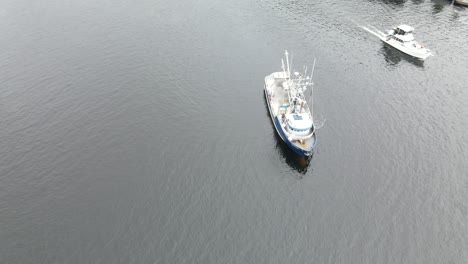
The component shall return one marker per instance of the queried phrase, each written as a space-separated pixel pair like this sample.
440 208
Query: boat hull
462 2
283 136
419 55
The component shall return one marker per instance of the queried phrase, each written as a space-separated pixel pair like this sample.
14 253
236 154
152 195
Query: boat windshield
400 31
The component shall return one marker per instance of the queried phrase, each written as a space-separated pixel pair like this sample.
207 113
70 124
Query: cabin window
297 117
299 130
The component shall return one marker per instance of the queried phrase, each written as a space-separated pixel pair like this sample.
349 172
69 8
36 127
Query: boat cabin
298 124
403 30
402 33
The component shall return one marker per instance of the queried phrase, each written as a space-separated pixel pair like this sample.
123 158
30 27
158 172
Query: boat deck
280 97
308 143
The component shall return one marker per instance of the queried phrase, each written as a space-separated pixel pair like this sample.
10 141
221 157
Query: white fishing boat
402 39
289 109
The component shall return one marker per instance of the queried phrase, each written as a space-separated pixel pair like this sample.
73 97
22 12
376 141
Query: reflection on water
437 8
455 15
296 162
393 2
393 57
439 5
399 2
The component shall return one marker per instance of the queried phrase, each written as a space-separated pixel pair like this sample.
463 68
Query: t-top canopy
405 28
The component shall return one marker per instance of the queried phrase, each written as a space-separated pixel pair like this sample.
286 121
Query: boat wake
319 124
374 31
371 29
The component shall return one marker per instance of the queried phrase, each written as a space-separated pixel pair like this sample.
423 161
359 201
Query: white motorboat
402 39
289 110
462 2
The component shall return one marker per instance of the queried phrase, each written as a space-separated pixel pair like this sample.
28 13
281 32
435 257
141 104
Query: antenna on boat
312 90
282 65
290 64
306 80
287 63
312 73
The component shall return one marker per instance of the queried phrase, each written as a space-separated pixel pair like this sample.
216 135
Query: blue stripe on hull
279 130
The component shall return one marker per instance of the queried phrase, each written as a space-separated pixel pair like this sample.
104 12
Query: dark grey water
137 132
